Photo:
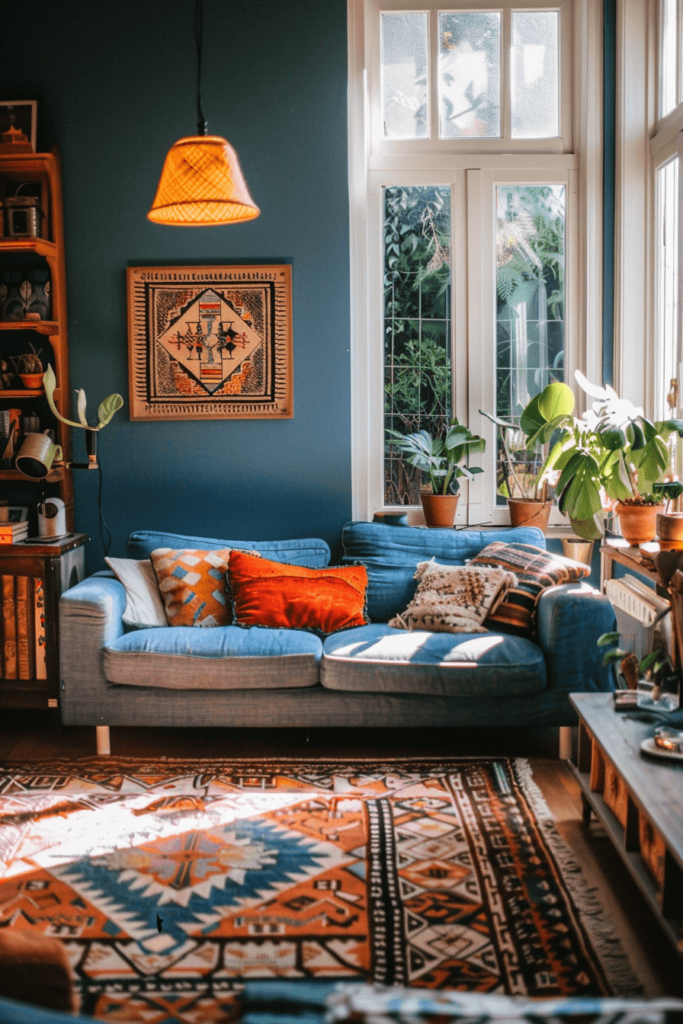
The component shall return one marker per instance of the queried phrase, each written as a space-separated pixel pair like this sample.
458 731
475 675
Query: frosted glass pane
405 103
417 326
535 83
667 282
469 75
667 65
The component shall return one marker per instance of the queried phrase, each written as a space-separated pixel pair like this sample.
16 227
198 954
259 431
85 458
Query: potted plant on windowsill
669 522
610 458
440 459
521 446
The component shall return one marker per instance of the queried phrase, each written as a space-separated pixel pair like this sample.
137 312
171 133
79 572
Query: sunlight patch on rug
172 881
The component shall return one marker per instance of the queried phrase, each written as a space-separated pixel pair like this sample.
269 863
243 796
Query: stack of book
22 644
10 533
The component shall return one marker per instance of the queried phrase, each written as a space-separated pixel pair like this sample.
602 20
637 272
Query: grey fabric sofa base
314 707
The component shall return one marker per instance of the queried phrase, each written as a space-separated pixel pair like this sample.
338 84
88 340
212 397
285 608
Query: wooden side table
639 560
60 565
638 799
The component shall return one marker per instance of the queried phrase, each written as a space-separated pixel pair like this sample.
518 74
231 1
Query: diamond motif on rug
171 883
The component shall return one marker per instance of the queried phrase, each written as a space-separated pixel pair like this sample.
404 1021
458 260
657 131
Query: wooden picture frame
210 342
25 114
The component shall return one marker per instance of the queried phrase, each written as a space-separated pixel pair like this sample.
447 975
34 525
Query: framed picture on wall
210 342
23 115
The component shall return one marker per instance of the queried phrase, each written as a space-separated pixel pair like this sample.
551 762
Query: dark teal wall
115 83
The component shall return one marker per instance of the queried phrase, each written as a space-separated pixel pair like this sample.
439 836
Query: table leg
586 811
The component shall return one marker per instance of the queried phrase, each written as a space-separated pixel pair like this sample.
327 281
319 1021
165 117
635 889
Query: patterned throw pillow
192 585
454 598
535 569
282 596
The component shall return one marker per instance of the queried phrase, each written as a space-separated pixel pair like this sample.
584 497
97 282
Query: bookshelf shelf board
39 246
54 476
28 393
41 326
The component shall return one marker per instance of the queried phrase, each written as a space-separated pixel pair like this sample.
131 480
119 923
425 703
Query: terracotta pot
529 512
439 509
670 530
32 380
638 523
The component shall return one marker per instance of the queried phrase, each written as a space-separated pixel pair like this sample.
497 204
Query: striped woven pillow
536 570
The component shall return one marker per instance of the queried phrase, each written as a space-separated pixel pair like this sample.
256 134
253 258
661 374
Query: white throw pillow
454 598
144 607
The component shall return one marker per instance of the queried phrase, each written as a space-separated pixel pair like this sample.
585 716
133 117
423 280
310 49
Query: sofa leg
565 742
103 741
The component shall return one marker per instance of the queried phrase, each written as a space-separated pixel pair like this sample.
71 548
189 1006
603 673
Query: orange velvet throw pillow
282 596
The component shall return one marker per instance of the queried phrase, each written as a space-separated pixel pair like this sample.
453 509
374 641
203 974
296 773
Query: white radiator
636 607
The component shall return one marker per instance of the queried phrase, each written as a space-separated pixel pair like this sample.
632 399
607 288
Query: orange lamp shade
202 184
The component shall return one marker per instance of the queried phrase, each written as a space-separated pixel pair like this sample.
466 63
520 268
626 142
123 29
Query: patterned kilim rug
172 881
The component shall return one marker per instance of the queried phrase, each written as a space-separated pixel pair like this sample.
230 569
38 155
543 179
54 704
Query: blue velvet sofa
367 676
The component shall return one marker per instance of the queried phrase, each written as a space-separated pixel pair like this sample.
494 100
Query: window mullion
433 62
506 75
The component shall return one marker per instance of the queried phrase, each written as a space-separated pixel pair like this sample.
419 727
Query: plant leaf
81 407
108 406
556 400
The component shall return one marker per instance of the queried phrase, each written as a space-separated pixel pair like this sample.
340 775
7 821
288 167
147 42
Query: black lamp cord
199 33
105 532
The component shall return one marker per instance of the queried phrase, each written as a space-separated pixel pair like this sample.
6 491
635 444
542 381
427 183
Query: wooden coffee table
638 799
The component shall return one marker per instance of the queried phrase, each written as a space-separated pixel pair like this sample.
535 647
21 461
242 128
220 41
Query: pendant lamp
201 181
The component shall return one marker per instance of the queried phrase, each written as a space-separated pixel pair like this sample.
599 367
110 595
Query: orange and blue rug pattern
171 882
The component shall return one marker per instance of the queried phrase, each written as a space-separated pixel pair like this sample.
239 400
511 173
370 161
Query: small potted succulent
30 369
527 491
440 459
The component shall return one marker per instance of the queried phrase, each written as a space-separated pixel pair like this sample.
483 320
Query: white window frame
374 161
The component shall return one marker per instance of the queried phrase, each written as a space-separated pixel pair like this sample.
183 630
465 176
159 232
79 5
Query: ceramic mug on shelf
36 456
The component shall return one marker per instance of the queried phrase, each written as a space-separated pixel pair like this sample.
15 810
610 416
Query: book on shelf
39 628
10 533
9 630
26 636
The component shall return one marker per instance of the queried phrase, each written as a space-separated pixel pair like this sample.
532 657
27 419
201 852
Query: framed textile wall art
210 342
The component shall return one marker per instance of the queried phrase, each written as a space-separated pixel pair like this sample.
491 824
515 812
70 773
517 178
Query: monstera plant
523 445
609 458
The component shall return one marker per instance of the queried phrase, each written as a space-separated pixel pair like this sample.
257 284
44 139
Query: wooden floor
35 736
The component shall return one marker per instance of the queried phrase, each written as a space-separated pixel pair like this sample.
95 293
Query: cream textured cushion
454 598
144 607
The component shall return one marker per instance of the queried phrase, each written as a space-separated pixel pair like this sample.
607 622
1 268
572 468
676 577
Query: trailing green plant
108 406
440 458
612 453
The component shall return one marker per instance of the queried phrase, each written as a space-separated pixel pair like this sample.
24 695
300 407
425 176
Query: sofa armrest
570 618
90 618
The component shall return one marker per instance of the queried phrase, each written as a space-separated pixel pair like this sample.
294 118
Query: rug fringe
606 943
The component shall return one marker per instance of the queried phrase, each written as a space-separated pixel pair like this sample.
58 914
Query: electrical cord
104 529
199 34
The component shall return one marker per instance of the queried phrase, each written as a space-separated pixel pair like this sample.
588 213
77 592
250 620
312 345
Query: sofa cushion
193 586
536 569
391 554
278 595
309 551
224 658
377 658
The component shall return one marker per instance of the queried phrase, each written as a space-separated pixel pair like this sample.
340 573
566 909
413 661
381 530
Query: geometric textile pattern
535 569
454 598
172 882
192 585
